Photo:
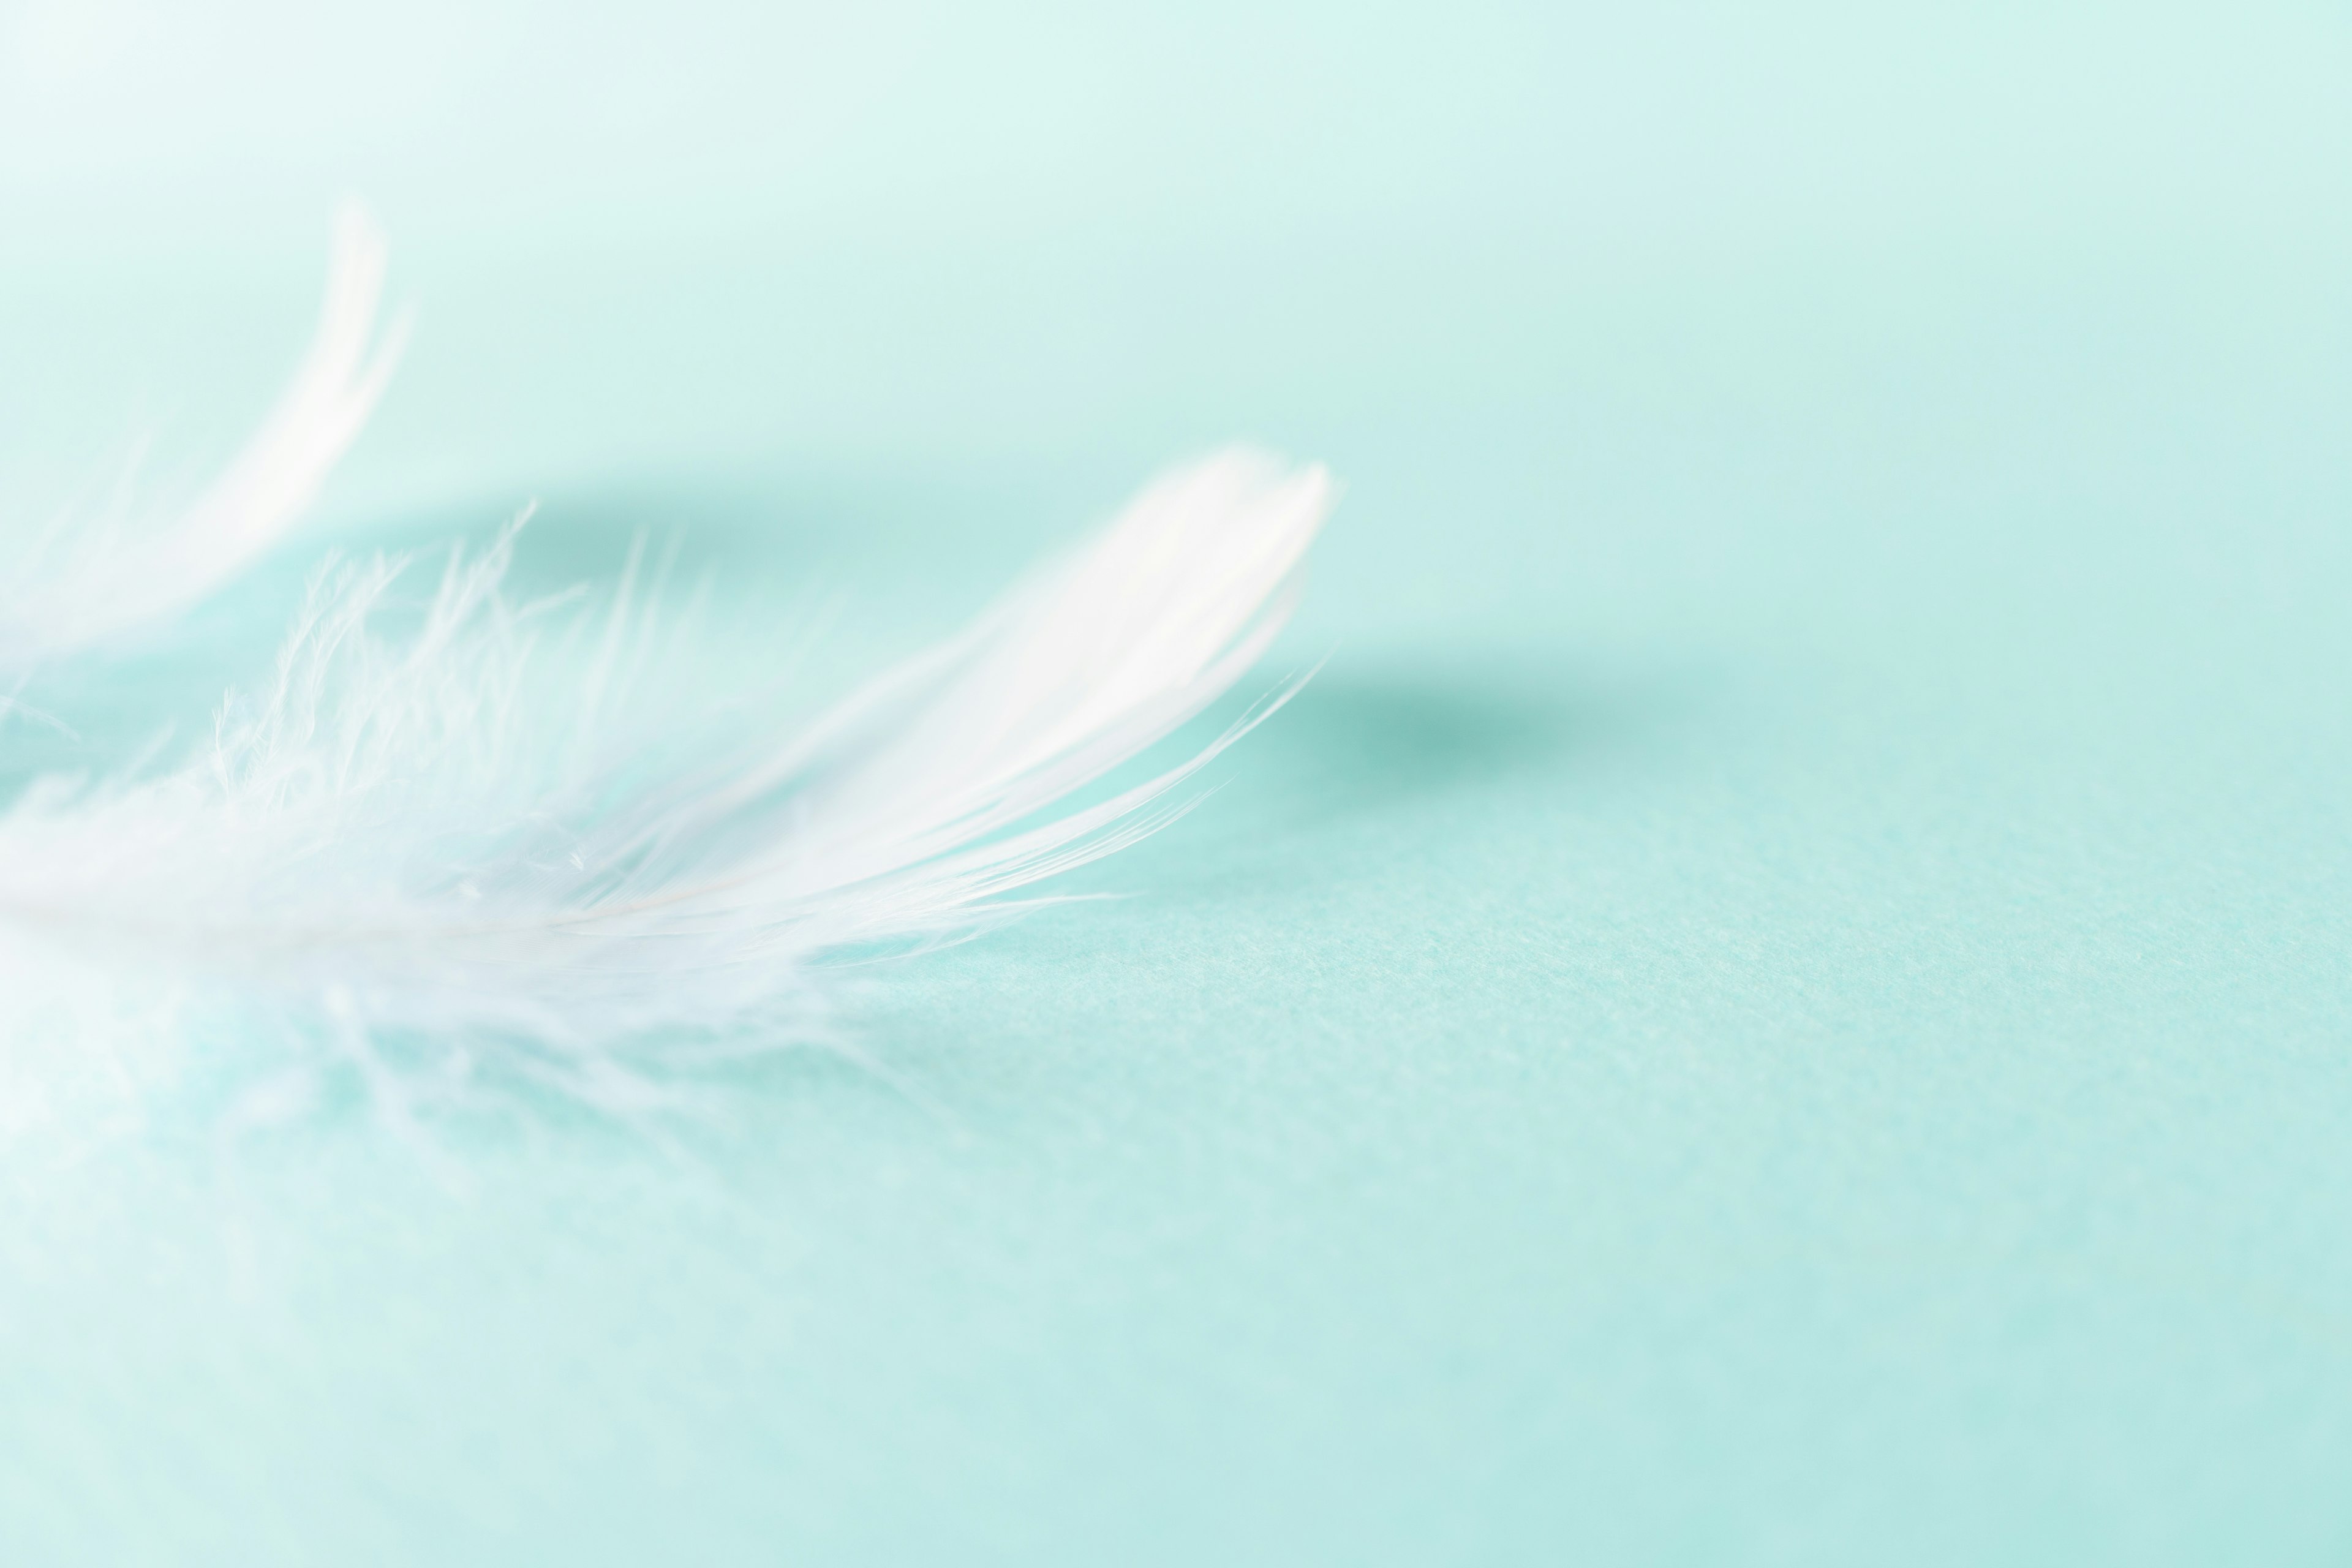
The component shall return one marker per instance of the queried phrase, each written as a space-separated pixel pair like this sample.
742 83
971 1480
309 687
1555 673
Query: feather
84 582
445 847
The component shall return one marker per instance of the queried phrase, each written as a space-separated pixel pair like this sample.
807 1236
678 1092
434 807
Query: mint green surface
1783 998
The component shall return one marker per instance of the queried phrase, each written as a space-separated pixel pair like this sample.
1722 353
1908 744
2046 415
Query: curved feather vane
85 581
401 851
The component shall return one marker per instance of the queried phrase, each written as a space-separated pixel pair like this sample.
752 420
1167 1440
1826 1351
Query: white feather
84 581
401 851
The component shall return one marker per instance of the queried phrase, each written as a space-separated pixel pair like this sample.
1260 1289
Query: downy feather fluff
83 580
401 853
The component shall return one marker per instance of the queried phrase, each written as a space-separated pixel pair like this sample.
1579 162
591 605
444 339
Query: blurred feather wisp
455 838
78 580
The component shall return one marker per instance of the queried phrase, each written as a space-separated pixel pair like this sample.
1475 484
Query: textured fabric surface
1782 997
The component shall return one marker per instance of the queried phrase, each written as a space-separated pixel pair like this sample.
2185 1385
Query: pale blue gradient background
1782 999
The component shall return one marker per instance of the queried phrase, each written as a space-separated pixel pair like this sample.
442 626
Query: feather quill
401 853
83 582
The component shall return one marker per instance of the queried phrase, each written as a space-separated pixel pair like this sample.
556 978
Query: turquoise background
1782 998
